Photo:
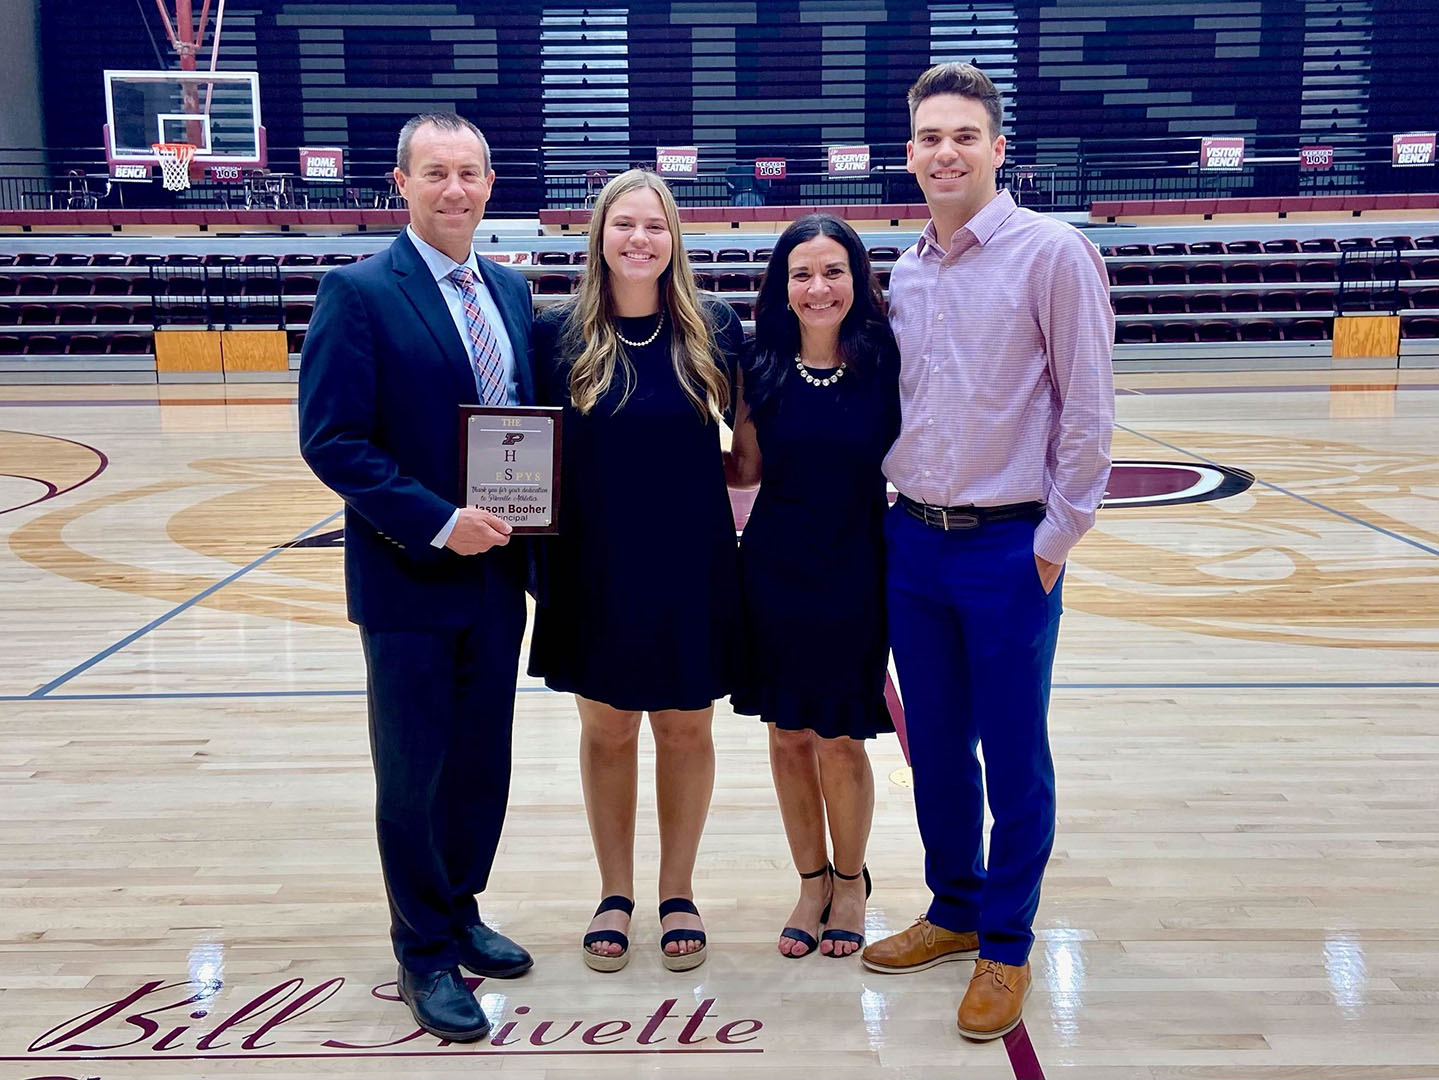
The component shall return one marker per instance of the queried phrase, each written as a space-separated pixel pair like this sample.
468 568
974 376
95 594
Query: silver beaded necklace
807 377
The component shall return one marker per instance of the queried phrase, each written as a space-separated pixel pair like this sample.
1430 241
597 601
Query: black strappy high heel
849 935
794 933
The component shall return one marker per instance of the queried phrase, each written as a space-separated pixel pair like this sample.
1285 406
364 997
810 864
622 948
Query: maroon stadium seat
1169 304
85 345
1217 331
1258 330
1307 330
1279 301
43 345
129 344
1206 247
72 285
1420 327
1135 333
1206 301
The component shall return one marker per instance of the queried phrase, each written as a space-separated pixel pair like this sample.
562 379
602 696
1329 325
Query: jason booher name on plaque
512 464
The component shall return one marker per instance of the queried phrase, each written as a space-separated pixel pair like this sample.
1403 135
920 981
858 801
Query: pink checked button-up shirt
1006 377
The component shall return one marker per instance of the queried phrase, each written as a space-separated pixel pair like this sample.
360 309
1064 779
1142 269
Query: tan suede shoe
994 1001
922 946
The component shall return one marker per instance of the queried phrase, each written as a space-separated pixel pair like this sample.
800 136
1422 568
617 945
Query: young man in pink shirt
1007 393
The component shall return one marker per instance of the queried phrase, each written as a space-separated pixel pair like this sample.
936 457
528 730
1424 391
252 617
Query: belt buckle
961 521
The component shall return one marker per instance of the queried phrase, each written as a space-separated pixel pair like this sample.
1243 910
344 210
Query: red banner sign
677 162
1316 157
849 161
770 168
1413 149
322 163
1220 153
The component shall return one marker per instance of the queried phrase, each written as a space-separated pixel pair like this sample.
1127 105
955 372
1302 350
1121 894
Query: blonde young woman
637 613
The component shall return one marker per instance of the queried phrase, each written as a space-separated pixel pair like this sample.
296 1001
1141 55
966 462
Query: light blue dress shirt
442 266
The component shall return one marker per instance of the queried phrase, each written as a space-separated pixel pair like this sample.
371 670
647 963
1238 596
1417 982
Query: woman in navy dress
820 408
637 611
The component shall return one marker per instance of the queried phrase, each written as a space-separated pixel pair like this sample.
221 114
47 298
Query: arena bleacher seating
1260 291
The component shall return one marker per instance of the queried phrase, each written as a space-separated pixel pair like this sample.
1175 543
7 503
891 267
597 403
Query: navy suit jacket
382 376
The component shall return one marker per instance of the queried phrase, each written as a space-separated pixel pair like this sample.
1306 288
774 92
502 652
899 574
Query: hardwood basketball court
1243 881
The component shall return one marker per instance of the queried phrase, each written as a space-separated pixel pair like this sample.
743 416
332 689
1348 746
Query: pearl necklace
807 377
646 341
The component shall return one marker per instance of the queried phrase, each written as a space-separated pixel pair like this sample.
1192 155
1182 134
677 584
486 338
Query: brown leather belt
951 518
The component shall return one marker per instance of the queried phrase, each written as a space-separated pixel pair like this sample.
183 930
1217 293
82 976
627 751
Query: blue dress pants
973 635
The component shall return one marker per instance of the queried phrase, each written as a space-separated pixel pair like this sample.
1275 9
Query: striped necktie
484 347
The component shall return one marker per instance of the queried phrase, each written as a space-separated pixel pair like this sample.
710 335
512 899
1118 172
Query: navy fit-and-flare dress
812 554
638 606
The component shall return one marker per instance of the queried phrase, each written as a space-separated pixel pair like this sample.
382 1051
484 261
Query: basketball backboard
217 111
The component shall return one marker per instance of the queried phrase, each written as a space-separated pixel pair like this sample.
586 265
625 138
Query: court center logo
1181 544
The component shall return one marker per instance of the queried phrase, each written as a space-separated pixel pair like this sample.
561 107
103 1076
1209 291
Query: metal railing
1090 170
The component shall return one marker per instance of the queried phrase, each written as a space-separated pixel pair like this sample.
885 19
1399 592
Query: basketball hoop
174 161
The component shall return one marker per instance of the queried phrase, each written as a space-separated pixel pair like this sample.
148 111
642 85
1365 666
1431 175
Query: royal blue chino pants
973 635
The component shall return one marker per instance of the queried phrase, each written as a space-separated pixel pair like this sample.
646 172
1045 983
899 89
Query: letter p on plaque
510 464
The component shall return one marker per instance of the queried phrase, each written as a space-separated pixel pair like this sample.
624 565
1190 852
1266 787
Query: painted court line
1022 1058
185 695
129 638
1292 494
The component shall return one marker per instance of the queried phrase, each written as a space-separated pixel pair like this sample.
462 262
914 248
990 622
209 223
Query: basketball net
174 161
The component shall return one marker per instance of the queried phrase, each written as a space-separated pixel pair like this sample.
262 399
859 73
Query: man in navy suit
396 344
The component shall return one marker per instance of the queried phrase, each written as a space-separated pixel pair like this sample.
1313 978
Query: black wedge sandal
794 933
848 935
599 961
681 961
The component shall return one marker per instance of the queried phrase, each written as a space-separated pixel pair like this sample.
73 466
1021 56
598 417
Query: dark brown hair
966 80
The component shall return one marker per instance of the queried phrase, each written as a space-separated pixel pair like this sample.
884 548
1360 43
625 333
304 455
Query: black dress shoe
442 1004
489 953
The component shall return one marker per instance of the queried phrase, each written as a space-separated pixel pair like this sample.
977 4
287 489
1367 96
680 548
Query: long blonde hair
591 325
